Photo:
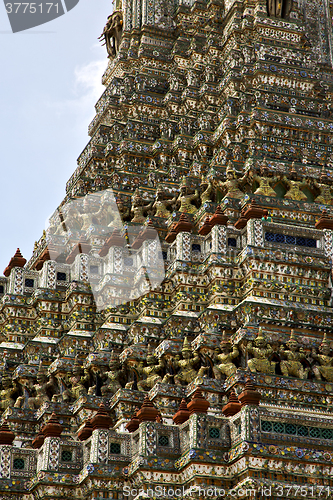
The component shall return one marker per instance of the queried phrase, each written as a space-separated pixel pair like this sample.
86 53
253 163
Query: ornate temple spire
16 261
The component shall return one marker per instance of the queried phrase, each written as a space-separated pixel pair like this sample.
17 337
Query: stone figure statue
207 187
151 179
70 219
64 388
90 208
185 199
138 208
151 372
185 125
192 78
123 209
8 391
161 204
174 82
324 186
261 351
264 180
79 381
105 216
225 364
325 368
187 372
294 192
279 8
112 33
231 186
114 375
42 388
292 366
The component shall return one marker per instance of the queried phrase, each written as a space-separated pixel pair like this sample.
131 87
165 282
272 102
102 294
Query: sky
50 80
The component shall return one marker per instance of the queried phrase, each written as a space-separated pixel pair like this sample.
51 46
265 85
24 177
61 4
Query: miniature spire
52 428
134 423
233 406
171 236
6 435
147 412
16 261
325 221
182 415
218 219
183 225
206 227
86 431
41 369
101 420
198 403
38 441
249 395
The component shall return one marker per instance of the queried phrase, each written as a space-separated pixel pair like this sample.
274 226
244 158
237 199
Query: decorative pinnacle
233 397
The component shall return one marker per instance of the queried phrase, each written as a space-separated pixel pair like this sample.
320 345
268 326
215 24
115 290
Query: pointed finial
16 261
147 412
260 334
186 345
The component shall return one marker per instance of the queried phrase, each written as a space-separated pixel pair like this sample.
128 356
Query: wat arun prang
214 131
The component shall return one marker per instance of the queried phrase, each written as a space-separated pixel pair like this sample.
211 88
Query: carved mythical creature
292 366
106 216
42 389
207 186
279 8
185 125
112 33
90 209
261 351
264 180
187 372
151 372
325 188
78 381
325 370
71 219
294 192
192 78
225 359
161 204
8 391
139 209
63 383
185 199
231 186
174 82
114 375
123 209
